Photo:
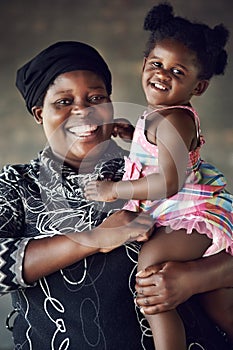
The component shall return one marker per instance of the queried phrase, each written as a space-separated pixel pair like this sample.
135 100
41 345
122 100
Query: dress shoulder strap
192 110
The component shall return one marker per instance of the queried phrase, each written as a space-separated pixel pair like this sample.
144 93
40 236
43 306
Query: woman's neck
84 166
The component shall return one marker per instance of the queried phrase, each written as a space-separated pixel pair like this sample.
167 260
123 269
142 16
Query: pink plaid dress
202 204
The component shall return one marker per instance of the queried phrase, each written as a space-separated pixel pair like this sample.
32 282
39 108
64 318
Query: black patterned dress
88 305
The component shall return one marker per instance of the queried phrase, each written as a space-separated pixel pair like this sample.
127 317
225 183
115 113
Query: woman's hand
121 227
163 287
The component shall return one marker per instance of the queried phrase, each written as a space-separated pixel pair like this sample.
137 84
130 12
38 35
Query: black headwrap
34 78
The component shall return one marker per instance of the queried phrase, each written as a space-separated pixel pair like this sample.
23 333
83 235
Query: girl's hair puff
208 44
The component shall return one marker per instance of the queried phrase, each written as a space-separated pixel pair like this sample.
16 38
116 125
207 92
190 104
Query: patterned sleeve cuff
18 266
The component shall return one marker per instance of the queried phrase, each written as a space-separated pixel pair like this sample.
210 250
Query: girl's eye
177 71
157 64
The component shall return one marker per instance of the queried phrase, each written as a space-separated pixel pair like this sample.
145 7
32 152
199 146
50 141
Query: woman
66 293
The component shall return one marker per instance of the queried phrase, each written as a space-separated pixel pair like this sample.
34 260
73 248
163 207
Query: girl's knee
148 255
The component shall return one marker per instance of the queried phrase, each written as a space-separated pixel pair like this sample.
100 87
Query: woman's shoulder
13 172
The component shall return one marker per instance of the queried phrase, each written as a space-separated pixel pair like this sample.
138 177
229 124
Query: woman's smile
85 131
77 116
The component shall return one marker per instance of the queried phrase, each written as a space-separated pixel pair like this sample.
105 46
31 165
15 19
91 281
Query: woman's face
77 117
170 74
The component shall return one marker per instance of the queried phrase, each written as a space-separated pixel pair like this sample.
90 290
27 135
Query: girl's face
170 75
77 117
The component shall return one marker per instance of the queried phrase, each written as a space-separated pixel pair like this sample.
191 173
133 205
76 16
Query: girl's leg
167 327
219 306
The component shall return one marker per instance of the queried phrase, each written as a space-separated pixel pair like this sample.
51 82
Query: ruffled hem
220 241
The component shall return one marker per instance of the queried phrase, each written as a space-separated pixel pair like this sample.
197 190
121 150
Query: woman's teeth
83 130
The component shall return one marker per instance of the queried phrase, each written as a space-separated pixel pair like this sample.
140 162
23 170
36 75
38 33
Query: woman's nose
81 110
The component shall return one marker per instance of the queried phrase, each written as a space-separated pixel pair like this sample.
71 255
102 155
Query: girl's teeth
158 86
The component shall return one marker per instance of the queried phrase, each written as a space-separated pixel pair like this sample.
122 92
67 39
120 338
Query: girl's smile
170 74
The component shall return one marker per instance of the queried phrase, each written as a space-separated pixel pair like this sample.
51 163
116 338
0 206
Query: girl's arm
47 255
123 128
171 283
174 136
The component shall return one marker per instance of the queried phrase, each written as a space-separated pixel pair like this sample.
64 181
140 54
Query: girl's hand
123 128
103 191
121 227
163 287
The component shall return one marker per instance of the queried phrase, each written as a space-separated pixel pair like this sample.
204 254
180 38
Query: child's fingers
91 184
90 190
90 187
90 196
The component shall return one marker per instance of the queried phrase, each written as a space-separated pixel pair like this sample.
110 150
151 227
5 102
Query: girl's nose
163 74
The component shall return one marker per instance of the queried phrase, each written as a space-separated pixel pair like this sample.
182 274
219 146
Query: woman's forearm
47 255
212 272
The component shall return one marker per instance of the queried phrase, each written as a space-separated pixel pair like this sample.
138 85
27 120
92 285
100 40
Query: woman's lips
82 131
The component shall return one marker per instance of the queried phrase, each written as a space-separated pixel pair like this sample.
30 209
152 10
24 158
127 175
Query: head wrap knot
34 78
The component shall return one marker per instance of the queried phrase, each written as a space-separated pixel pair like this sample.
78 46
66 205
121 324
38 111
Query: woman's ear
37 114
201 87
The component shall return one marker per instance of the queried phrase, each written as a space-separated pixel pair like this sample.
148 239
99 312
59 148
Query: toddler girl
165 174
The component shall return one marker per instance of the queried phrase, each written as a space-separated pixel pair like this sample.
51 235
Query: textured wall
115 28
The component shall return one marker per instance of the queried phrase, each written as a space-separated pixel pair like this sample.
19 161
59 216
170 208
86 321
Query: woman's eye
63 102
98 99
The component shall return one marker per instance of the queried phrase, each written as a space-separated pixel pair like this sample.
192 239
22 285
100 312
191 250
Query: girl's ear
201 87
37 114
144 63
